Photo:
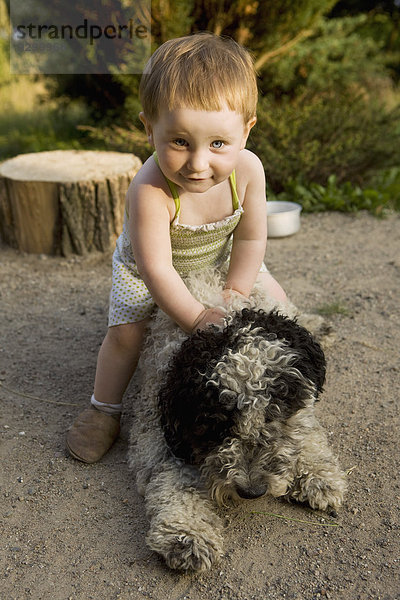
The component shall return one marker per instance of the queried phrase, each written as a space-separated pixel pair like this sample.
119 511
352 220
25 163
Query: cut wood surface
64 201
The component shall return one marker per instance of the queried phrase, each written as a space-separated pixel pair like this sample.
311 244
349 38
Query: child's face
197 149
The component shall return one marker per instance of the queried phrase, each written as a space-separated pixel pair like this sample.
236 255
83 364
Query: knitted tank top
195 247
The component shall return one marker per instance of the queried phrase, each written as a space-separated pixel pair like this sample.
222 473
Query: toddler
199 200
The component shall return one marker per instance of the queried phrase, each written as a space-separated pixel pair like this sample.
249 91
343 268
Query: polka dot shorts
130 300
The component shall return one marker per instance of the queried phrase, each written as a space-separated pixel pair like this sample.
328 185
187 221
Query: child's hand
229 295
209 316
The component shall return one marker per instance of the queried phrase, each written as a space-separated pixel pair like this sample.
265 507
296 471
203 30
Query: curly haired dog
225 414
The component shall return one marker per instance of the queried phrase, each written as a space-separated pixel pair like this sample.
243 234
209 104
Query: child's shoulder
249 171
149 182
149 176
249 165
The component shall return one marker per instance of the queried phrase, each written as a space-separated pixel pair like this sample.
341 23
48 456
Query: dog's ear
191 415
309 360
268 361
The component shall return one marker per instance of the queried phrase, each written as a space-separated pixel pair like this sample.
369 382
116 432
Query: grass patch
333 308
30 122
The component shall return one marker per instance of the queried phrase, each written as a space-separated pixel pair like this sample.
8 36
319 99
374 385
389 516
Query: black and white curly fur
228 414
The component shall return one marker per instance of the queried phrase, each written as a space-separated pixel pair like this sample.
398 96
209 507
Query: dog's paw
188 552
185 551
320 492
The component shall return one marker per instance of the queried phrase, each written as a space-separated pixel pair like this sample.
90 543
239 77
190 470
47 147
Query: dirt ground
72 531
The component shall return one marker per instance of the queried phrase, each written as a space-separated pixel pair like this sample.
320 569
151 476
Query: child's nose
198 161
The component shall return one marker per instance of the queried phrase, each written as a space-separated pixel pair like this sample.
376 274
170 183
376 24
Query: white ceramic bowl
283 218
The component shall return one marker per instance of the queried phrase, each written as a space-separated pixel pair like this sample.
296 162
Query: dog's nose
254 491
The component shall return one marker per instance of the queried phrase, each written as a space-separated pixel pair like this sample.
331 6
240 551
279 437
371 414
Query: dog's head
259 363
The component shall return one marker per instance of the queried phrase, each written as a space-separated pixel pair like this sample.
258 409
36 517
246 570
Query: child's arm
250 236
149 222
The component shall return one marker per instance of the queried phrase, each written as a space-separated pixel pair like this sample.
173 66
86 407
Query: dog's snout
254 491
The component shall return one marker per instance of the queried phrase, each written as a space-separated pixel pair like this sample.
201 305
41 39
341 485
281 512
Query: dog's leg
184 529
317 477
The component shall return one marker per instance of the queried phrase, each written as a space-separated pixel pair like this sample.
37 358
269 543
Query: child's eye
217 144
180 142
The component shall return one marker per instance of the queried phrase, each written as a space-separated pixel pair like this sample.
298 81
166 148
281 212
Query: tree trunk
65 201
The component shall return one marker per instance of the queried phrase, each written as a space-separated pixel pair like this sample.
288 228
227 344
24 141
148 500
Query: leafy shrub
381 194
39 127
336 131
120 138
4 44
388 184
338 53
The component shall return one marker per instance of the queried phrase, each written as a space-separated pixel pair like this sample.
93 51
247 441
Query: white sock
106 407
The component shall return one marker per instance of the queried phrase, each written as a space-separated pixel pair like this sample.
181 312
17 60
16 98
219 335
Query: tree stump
64 201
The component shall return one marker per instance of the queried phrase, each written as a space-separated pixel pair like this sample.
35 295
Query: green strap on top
175 195
172 187
235 197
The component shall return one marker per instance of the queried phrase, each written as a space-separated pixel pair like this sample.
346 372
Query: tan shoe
92 434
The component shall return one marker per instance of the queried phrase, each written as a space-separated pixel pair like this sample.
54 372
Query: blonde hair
202 72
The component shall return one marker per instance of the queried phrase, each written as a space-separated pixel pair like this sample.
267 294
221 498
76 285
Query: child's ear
247 128
147 126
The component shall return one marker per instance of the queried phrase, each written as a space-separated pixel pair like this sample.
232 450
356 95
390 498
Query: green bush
4 68
335 131
388 184
4 45
41 127
128 137
382 194
338 53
